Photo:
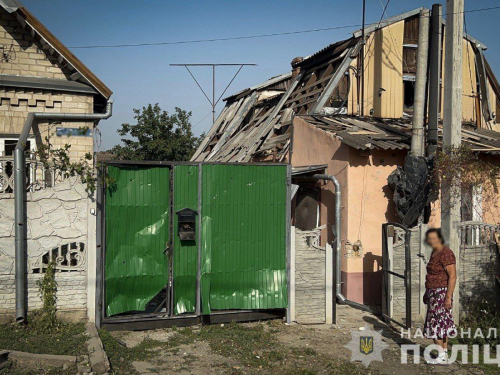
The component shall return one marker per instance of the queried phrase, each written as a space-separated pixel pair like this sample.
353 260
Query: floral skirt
439 321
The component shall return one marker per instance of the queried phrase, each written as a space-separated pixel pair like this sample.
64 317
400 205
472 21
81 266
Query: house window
8 145
471 204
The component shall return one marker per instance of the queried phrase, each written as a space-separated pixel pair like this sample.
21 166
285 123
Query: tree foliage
157 135
466 173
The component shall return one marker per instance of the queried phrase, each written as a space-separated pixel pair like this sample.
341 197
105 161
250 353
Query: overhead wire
195 125
145 44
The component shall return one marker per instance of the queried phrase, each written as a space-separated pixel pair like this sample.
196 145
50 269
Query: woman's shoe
441 359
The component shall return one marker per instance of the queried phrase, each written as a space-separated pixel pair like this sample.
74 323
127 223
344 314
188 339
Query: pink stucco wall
313 146
370 205
366 202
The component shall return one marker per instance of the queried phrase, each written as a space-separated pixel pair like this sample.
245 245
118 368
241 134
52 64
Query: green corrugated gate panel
243 237
137 231
185 252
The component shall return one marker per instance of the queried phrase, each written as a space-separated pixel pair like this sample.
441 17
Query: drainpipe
20 194
338 243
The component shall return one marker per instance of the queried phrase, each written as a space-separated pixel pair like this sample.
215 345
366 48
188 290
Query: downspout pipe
338 243
20 194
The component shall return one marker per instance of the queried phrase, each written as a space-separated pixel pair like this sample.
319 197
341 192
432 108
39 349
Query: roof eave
55 45
403 16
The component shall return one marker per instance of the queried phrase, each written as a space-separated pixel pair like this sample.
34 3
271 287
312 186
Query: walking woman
439 283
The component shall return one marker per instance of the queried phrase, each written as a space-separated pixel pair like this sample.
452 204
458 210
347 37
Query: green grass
14 369
121 357
249 348
67 339
258 348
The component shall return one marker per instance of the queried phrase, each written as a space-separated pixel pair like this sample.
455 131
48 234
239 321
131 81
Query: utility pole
452 126
417 136
362 61
212 101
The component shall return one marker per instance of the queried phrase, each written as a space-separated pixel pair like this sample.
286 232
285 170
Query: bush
482 316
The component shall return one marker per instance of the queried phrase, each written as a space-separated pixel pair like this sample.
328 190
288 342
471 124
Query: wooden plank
268 125
339 73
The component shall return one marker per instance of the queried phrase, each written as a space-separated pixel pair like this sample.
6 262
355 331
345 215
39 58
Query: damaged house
325 117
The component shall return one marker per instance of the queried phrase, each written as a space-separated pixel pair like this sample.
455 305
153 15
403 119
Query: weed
66 339
121 357
480 316
45 319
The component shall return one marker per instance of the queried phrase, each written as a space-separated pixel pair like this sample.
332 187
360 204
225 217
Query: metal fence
38 175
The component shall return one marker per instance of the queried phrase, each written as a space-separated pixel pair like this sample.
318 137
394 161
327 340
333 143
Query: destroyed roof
54 46
395 134
252 120
271 81
255 122
366 133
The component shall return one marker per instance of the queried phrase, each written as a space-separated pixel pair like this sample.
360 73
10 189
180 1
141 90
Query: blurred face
433 240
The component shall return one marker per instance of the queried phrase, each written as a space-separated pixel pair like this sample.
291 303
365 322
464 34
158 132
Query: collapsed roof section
256 122
395 134
258 119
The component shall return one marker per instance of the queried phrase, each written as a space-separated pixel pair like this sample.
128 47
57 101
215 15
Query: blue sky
142 75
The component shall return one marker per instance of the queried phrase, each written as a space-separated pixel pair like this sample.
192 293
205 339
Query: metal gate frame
387 270
149 320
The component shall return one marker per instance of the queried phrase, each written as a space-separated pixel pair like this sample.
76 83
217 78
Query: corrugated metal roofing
308 169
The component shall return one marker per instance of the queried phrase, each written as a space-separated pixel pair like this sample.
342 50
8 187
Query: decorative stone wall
310 263
57 230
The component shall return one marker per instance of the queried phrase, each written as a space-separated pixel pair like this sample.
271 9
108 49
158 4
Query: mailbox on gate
186 219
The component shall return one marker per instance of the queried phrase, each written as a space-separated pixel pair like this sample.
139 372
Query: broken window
410 44
307 208
409 96
340 94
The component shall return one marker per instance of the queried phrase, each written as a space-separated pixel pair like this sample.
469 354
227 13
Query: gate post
329 284
290 314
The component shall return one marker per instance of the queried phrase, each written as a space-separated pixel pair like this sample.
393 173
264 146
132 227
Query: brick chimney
296 66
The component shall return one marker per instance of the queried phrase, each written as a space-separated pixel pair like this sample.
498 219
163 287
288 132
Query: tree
157 136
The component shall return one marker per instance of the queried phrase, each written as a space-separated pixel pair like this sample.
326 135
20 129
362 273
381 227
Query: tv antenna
212 101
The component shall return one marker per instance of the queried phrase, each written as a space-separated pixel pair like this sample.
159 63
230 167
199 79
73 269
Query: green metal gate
243 237
238 259
185 252
137 231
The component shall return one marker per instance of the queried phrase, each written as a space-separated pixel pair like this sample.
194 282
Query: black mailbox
186 219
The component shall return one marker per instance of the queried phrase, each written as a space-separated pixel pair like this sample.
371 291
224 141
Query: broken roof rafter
318 77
